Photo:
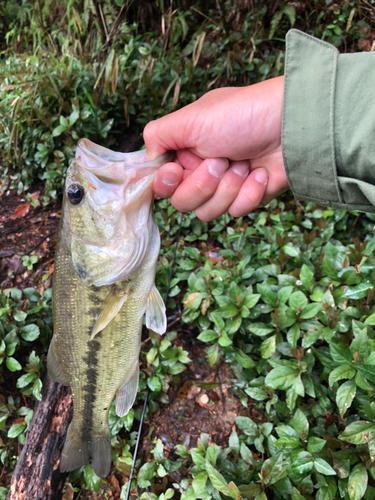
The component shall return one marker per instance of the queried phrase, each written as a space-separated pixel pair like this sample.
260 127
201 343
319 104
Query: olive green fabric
328 132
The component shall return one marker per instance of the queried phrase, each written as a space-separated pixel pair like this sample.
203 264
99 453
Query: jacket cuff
325 138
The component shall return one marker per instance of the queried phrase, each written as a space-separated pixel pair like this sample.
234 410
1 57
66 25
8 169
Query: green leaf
37 389
303 465
315 445
357 482
197 457
188 494
273 469
298 301
30 332
251 300
268 347
91 479
363 383
327 491
243 359
194 300
199 482
260 329
212 453
235 294
234 491
310 311
26 379
228 311
340 354
368 371
16 430
293 335
13 365
268 295
208 336
234 443
224 340
358 432
358 292
19 315
284 293
359 344
250 490
146 474
296 495
247 426
281 377
257 393
217 480
246 454
343 468
154 383
291 250
300 423
323 467
288 442
341 372
345 395
307 277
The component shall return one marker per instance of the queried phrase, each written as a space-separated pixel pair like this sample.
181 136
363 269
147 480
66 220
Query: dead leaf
21 211
184 390
214 257
15 265
68 492
20 420
115 484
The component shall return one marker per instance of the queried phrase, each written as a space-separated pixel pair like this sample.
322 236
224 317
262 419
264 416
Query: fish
103 285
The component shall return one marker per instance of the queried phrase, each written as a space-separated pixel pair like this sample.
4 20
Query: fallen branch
37 475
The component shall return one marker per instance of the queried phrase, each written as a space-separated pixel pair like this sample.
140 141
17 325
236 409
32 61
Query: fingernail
170 178
217 167
242 169
261 176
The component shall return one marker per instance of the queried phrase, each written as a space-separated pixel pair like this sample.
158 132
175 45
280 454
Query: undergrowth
286 297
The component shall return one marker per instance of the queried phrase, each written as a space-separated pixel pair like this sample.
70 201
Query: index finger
168 133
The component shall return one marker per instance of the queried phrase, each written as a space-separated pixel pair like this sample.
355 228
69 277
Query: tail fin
77 453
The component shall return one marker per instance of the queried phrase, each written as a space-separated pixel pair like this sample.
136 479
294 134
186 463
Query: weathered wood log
37 475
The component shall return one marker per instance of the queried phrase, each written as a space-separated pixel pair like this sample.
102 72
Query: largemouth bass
103 284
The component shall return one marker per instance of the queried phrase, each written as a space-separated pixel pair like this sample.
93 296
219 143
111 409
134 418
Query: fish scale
97 329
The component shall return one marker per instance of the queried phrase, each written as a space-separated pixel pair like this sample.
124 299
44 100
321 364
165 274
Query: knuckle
201 189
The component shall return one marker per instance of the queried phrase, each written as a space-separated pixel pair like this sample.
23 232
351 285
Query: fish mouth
95 156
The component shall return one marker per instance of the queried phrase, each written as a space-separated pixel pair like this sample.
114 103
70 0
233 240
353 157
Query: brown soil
27 230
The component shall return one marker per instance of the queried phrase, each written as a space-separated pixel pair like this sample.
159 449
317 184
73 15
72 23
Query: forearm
329 124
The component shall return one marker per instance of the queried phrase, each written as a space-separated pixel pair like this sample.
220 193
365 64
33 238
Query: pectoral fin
110 307
126 395
156 319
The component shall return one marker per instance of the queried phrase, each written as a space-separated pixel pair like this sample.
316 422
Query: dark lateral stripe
90 389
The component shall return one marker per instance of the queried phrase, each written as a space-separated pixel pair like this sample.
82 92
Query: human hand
228 151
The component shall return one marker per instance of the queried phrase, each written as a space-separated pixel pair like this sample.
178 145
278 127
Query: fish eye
75 194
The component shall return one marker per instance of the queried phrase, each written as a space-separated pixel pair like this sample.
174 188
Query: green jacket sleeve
328 131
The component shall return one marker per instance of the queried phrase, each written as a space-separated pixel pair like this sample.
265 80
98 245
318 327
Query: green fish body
103 284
